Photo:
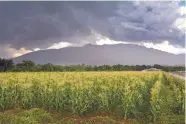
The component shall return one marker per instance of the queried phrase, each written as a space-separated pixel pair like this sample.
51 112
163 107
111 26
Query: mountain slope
105 54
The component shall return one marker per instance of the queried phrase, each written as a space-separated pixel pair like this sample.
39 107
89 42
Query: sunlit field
91 97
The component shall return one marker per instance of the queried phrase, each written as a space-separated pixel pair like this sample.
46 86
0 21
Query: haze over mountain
124 54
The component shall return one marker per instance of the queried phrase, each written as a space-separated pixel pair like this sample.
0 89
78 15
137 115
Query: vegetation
29 66
41 116
137 97
6 65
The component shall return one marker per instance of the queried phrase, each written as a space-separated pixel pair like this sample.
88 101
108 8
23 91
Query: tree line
7 65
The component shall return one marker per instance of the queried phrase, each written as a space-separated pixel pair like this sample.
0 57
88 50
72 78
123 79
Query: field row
128 95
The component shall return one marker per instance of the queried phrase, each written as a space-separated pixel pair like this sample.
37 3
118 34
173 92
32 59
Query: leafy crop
127 94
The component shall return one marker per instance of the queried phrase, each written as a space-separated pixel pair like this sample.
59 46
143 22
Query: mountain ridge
125 54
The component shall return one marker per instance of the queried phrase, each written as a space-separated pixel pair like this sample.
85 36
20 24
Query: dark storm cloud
40 24
137 22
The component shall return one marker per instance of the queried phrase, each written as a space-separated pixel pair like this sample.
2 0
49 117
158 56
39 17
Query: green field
91 97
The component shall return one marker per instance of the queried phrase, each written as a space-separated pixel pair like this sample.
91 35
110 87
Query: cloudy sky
32 26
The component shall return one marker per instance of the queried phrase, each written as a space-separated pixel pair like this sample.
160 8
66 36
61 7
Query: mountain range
125 54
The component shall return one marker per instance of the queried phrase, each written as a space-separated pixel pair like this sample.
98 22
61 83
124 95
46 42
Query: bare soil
178 74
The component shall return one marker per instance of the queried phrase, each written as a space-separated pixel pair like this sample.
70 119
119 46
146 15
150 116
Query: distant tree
117 67
26 65
6 65
157 66
47 67
29 65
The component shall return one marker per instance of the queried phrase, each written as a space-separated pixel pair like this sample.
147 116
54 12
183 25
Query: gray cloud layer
40 24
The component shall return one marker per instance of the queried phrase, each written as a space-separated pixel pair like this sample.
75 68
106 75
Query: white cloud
182 10
110 42
165 46
6 51
15 53
37 49
180 23
60 45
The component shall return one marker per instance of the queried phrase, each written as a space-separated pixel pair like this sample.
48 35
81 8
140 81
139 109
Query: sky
31 26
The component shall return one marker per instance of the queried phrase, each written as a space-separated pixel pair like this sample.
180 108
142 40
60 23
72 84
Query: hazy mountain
105 54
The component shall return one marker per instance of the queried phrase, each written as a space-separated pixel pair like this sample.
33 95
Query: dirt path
182 76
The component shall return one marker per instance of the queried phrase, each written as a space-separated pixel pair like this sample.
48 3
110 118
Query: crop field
91 97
